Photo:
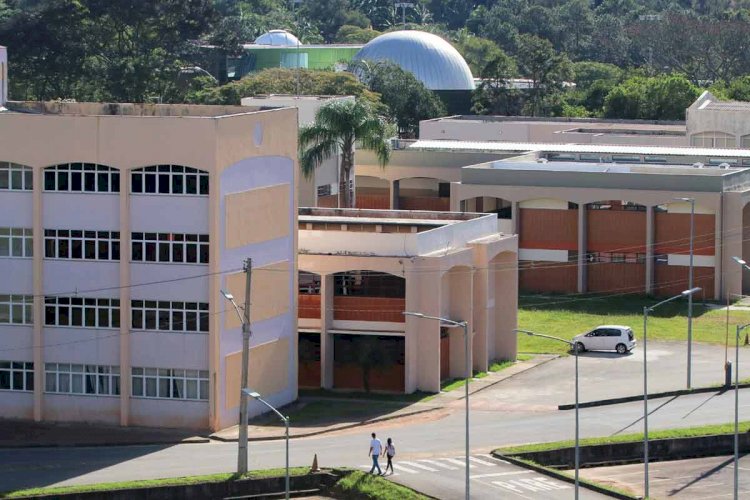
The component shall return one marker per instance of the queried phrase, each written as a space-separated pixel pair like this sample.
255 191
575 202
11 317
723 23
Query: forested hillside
628 58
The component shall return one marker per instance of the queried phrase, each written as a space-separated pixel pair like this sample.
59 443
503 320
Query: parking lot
606 375
700 478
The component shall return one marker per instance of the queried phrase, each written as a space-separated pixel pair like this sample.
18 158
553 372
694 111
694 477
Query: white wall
80 211
165 350
169 213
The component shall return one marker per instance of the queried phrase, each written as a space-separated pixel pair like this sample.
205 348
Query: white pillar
582 247
326 339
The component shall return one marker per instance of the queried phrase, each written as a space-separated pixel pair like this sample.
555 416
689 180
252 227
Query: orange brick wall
308 374
349 376
548 277
308 306
673 233
369 308
616 277
616 231
548 229
671 280
424 203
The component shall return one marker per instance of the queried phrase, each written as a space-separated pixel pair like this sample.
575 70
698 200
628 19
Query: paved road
490 478
417 440
700 478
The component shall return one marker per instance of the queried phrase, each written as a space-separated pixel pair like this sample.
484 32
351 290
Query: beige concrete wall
257 215
267 371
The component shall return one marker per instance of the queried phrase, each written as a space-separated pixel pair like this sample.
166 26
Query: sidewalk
434 407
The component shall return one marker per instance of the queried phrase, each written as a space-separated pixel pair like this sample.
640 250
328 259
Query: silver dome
277 38
434 62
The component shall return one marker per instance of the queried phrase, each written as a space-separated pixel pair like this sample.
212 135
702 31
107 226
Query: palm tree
337 127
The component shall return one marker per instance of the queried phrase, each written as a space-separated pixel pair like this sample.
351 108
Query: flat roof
126 109
372 216
303 46
600 122
487 146
609 168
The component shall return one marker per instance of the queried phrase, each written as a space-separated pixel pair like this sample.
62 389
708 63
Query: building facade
360 270
119 226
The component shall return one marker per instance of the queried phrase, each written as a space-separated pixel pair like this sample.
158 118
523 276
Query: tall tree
407 99
336 129
547 70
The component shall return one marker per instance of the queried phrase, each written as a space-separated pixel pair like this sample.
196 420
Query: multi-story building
360 270
119 226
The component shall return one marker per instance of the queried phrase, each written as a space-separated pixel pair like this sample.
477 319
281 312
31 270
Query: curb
656 395
564 477
326 431
200 440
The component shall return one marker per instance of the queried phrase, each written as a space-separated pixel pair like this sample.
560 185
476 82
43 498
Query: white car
606 338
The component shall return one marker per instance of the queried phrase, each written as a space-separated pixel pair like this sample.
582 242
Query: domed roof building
434 62
277 38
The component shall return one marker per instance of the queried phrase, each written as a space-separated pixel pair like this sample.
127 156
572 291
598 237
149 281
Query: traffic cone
315 467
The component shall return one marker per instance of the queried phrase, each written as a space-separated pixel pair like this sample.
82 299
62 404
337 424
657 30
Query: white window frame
13 175
89 308
168 316
11 368
87 171
142 243
166 383
19 242
63 239
16 310
169 180
81 379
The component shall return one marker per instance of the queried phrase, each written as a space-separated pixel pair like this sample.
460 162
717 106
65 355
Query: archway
373 192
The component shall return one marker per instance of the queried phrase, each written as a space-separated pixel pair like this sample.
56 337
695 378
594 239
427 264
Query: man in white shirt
376 447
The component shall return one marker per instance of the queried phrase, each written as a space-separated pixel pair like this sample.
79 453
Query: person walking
389 453
376 447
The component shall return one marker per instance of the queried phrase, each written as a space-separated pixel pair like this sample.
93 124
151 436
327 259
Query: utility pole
247 267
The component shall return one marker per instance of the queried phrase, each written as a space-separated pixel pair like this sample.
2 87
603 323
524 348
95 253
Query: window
14 177
713 140
170 247
617 257
81 244
16 310
166 316
16 376
170 383
82 178
169 179
67 378
16 242
81 312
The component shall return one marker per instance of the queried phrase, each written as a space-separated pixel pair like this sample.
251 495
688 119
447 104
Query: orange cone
315 467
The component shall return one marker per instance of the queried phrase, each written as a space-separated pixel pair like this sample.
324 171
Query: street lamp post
284 419
574 347
737 395
245 320
467 361
690 297
646 310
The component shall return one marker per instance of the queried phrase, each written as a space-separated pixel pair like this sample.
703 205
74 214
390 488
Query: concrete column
459 289
38 244
395 193
423 294
650 249
125 249
515 217
326 339
483 306
505 318
582 247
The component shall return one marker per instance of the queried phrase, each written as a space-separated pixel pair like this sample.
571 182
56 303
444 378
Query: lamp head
416 315
692 291
227 295
739 261
250 393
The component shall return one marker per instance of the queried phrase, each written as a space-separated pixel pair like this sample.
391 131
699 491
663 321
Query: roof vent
541 160
724 165
698 165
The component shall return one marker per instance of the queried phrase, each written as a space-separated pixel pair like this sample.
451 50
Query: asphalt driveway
605 375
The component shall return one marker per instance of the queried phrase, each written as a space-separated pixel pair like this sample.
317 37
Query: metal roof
277 38
472 146
434 62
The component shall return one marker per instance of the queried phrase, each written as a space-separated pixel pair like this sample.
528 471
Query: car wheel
621 349
580 347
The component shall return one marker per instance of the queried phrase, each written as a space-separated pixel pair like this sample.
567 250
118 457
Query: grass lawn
359 484
312 413
703 430
566 316
177 481
495 366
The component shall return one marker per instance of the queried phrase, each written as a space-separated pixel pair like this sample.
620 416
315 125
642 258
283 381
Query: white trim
684 260
543 255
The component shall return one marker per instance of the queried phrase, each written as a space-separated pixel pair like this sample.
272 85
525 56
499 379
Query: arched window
15 177
713 140
82 178
169 179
